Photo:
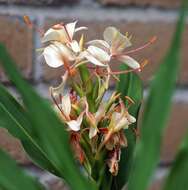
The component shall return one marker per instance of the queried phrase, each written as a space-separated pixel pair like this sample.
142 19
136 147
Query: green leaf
13 178
177 179
130 85
156 113
48 129
14 118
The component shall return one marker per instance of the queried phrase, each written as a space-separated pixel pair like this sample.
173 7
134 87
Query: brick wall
142 18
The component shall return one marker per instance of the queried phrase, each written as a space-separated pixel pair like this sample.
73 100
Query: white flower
56 54
112 46
64 107
121 120
64 34
94 118
61 33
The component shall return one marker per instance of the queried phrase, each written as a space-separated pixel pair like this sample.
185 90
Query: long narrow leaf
50 132
156 113
13 178
177 178
14 118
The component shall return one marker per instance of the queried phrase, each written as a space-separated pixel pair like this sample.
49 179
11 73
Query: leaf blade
156 114
15 180
42 119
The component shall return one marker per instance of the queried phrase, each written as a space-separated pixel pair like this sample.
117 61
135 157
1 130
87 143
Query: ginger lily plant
100 131
96 125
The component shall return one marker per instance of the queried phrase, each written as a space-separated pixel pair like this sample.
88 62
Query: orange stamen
142 65
27 21
30 24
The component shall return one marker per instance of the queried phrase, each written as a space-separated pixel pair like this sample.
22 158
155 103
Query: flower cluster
96 125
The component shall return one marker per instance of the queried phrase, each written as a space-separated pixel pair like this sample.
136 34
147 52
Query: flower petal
93 60
52 56
56 91
80 28
99 54
116 40
132 63
99 43
71 29
66 104
92 132
75 124
131 119
55 35
65 51
75 46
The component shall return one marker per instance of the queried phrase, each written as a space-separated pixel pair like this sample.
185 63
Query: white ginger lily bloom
121 120
94 118
63 33
64 108
112 46
73 124
56 54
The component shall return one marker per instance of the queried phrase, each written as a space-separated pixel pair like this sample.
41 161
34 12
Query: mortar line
97 13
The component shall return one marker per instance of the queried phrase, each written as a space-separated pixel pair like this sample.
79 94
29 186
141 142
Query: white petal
60 89
75 124
100 113
92 132
80 28
55 35
109 34
121 124
132 63
65 51
117 41
93 60
99 54
66 104
131 119
75 46
52 56
71 29
99 43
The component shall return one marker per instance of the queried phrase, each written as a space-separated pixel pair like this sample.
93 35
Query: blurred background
143 19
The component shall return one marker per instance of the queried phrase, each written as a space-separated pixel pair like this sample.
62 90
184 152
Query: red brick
13 147
19 41
160 3
142 32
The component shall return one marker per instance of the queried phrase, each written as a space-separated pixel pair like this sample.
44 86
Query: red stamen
56 103
151 41
104 130
69 38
